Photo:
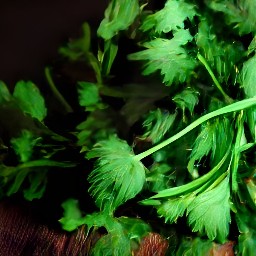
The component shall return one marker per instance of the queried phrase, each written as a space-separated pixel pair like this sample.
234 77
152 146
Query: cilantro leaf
89 96
221 55
174 208
72 215
118 175
188 98
23 145
202 145
248 77
239 13
119 15
171 17
38 182
168 56
30 100
157 124
210 212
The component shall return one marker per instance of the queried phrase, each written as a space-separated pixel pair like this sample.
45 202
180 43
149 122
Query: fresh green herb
176 141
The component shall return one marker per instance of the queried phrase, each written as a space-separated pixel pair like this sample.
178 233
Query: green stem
175 191
218 85
56 92
227 109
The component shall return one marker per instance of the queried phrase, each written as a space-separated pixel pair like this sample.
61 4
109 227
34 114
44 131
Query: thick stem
227 109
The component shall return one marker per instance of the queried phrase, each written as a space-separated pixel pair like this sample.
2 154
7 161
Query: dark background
31 31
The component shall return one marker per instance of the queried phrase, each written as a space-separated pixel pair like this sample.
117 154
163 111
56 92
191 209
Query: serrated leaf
210 212
5 95
118 175
248 77
241 14
171 17
88 96
188 98
202 145
23 145
119 15
221 55
168 56
174 208
30 100
157 124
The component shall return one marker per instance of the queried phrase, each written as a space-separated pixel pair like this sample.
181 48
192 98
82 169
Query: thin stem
227 109
218 85
56 92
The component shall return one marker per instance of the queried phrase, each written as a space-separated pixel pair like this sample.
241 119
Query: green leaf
89 96
241 14
202 145
159 177
76 48
99 125
188 98
30 100
24 145
119 15
252 46
210 212
248 77
109 55
192 247
118 175
5 95
171 17
135 228
72 218
168 56
174 208
17 182
221 55
38 182
157 124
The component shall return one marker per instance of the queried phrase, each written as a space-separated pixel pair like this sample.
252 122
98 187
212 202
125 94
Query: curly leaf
118 175
171 17
168 56
119 15
210 212
30 100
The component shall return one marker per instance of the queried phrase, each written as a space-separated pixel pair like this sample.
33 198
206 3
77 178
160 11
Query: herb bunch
195 103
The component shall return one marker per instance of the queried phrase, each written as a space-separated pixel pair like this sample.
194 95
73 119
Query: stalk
56 92
243 104
218 85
